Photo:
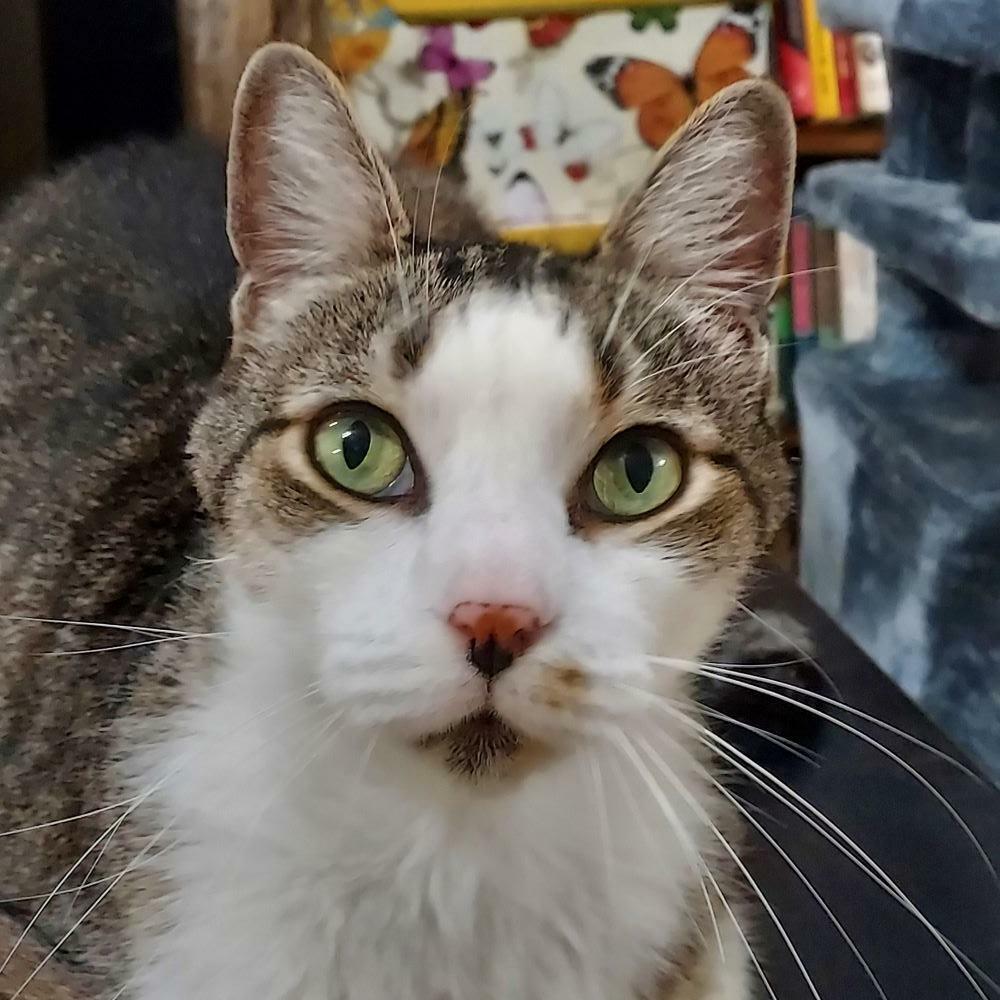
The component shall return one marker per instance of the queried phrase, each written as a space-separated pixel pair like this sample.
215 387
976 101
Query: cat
398 593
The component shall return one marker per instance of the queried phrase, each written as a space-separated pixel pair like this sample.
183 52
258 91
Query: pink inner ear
714 212
308 197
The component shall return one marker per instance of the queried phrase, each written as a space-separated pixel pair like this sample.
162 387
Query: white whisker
86 913
68 819
788 640
134 804
731 246
133 645
59 885
142 629
783 854
861 859
755 685
703 816
601 803
413 227
737 673
622 302
830 832
803 754
647 778
404 294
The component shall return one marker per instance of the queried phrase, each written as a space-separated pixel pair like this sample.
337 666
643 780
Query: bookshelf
841 140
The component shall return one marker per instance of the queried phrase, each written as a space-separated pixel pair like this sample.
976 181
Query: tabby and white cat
406 716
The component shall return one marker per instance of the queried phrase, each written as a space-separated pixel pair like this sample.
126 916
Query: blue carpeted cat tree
901 438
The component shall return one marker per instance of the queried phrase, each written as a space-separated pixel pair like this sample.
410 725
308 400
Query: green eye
634 475
362 453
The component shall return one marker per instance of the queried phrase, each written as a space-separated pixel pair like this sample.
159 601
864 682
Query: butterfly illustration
662 98
436 137
355 53
439 56
359 34
724 56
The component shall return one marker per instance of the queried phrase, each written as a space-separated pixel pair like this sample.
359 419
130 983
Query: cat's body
114 280
304 815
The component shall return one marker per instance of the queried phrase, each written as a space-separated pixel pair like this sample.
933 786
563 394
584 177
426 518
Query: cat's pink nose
497 633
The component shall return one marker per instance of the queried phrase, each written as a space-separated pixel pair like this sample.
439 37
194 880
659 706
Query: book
826 286
782 354
857 268
823 63
793 58
847 81
871 69
801 278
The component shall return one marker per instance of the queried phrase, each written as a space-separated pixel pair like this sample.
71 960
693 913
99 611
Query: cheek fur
364 607
382 654
627 606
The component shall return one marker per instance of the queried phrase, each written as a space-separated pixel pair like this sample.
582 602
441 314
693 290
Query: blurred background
886 363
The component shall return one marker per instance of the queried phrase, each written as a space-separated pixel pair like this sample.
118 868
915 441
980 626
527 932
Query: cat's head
474 491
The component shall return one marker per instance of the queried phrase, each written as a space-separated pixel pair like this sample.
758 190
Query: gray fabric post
901 509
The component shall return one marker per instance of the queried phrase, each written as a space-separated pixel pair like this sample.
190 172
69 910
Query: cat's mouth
480 745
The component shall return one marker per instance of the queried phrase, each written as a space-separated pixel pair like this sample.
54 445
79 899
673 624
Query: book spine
783 353
857 268
847 81
801 280
793 58
823 60
827 286
874 95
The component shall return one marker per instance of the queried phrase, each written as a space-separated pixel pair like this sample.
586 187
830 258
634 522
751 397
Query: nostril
497 633
489 658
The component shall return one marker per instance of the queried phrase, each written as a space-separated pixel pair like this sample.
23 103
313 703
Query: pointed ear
714 212
309 198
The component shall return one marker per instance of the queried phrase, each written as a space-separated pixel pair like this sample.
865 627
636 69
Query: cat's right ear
712 217
309 199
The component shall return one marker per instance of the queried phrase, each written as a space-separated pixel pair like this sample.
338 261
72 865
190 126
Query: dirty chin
481 745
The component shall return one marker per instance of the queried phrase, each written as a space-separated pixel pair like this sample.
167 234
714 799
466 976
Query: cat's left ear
713 214
309 198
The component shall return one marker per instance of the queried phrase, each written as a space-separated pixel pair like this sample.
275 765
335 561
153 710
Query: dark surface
896 821
111 70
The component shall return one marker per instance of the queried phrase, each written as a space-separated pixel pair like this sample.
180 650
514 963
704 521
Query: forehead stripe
270 426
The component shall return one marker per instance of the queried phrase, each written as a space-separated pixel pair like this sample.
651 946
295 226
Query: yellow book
822 63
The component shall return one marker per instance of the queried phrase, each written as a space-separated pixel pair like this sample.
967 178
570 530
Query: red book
847 76
793 59
800 252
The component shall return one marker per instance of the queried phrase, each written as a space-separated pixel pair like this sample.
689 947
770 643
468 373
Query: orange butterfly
437 136
663 98
353 54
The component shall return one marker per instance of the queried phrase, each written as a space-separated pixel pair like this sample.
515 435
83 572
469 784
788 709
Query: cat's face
479 490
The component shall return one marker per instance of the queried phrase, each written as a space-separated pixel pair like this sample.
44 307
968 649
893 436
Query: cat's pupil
638 467
356 442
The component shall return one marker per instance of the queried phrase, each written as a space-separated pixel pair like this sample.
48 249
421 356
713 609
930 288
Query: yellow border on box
464 10
569 238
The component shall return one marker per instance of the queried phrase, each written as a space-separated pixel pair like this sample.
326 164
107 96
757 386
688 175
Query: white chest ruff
548 890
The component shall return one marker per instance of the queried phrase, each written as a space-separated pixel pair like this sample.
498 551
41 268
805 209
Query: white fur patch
321 856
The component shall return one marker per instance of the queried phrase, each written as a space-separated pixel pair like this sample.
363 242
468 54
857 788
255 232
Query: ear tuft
309 199
713 214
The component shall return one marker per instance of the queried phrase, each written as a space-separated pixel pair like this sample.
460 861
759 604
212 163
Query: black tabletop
896 821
